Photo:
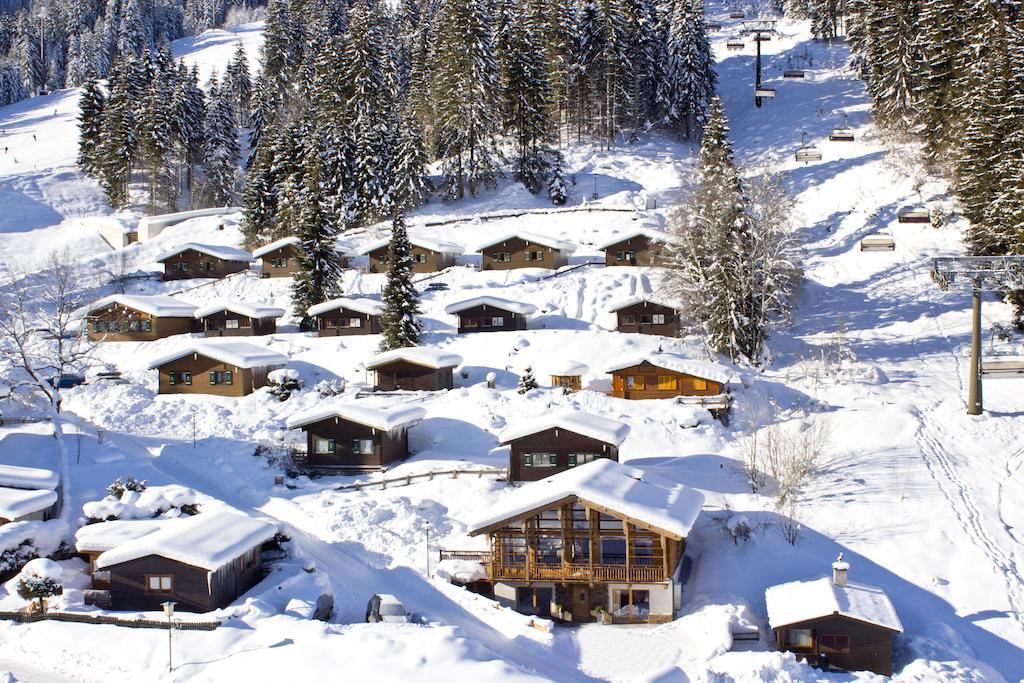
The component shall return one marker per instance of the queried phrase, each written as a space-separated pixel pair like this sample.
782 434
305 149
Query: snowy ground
922 499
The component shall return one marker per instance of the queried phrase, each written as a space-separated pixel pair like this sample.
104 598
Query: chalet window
331 322
469 322
501 256
658 318
645 320
700 384
635 382
799 638
485 321
582 458
207 265
137 326
362 446
532 255
279 262
628 319
540 459
322 446
219 377
498 321
159 583
579 516
419 257
513 550
183 377
549 550
609 523
175 267
834 642
625 255
355 322
231 324
666 383
633 604
613 551
643 552
549 519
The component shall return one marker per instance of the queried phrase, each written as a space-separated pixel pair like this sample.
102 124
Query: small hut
555 442
193 260
238 319
279 258
130 317
632 248
428 255
346 317
417 368
490 314
219 368
524 250
568 374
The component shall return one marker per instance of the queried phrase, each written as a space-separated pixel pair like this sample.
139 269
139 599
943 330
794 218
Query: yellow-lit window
700 384
666 383
635 382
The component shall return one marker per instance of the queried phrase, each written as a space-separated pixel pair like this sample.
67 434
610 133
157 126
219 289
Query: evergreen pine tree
90 118
557 192
527 382
118 146
221 149
238 85
319 262
399 325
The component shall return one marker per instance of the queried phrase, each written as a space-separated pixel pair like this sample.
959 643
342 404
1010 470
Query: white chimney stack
839 571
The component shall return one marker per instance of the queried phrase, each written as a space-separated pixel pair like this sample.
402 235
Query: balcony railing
611 568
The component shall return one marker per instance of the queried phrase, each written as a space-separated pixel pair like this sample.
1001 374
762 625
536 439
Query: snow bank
151 226
19 477
493 301
44 536
237 353
154 501
576 421
158 305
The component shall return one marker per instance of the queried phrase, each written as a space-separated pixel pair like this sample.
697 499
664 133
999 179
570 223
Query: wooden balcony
576 573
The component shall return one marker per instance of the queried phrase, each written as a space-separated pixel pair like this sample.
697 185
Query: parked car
438 286
111 376
388 609
68 380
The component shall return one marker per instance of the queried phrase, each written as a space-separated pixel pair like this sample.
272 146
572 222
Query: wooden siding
870 645
215 325
571 383
640 246
424 260
559 442
639 318
244 381
290 268
192 259
517 249
388 447
370 324
194 589
681 383
479 318
159 327
402 375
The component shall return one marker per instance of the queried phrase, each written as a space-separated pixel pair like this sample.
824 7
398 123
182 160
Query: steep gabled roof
241 308
652 501
160 306
687 366
418 355
504 304
366 306
237 353
586 424
275 245
384 418
427 243
215 250
531 237
799 601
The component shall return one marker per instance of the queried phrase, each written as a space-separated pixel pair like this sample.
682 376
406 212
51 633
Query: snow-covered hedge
153 501
21 542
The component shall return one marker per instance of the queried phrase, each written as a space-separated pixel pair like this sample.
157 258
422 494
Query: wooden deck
560 573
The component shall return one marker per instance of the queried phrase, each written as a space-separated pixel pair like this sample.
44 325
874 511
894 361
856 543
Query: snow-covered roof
531 237
497 302
215 250
798 601
418 355
208 540
671 361
384 418
439 246
653 235
237 353
650 500
643 298
241 308
367 306
576 421
104 536
158 305
274 246
567 367
15 503
18 477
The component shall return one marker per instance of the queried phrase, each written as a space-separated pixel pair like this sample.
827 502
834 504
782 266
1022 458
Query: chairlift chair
764 91
806 155
914 216
1002 367
878 242
793 73
713 26
762 37
841 135
737 15
735 45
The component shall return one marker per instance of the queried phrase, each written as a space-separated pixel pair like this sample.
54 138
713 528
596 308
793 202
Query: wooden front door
581 604
535 601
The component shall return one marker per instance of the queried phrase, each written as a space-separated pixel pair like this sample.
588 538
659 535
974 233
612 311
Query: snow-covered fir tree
90 117
527 382
320 265
238 84
400 326
221 149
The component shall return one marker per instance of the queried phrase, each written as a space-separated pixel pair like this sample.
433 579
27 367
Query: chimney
839 571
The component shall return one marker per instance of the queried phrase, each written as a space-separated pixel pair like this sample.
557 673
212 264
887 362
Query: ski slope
922 499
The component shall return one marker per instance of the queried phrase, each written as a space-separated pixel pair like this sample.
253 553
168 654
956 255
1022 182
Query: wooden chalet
223 368
568 375
428 256
553 443
490 314
598 539
203 562
644 315
525 250
279 258
667 375
127 317
632 248
194 260
238 319
346 317
413 369
834 624
356 437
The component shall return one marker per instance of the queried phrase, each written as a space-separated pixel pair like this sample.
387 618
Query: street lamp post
428 550
193 427
169 611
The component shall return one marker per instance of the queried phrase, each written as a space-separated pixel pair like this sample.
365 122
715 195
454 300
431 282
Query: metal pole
428 550
193 427
757 69
170 629
974 399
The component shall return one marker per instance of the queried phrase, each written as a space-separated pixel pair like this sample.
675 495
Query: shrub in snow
40 579
938 216
789 522
787 454
284 383
118 488
527 382
739 528
556 187
21 542
12 559
327 388
152 501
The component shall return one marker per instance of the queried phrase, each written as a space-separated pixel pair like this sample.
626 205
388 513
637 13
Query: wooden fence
4 421
426 476
85 618
528 212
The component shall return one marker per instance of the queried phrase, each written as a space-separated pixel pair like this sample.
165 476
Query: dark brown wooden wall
222 268
435 260
214 325
288 252
517 248
639 245
160 327
389 447
243 380
650 374
371 323
195 589
513 321
870 645
412 377
558 441
670 328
